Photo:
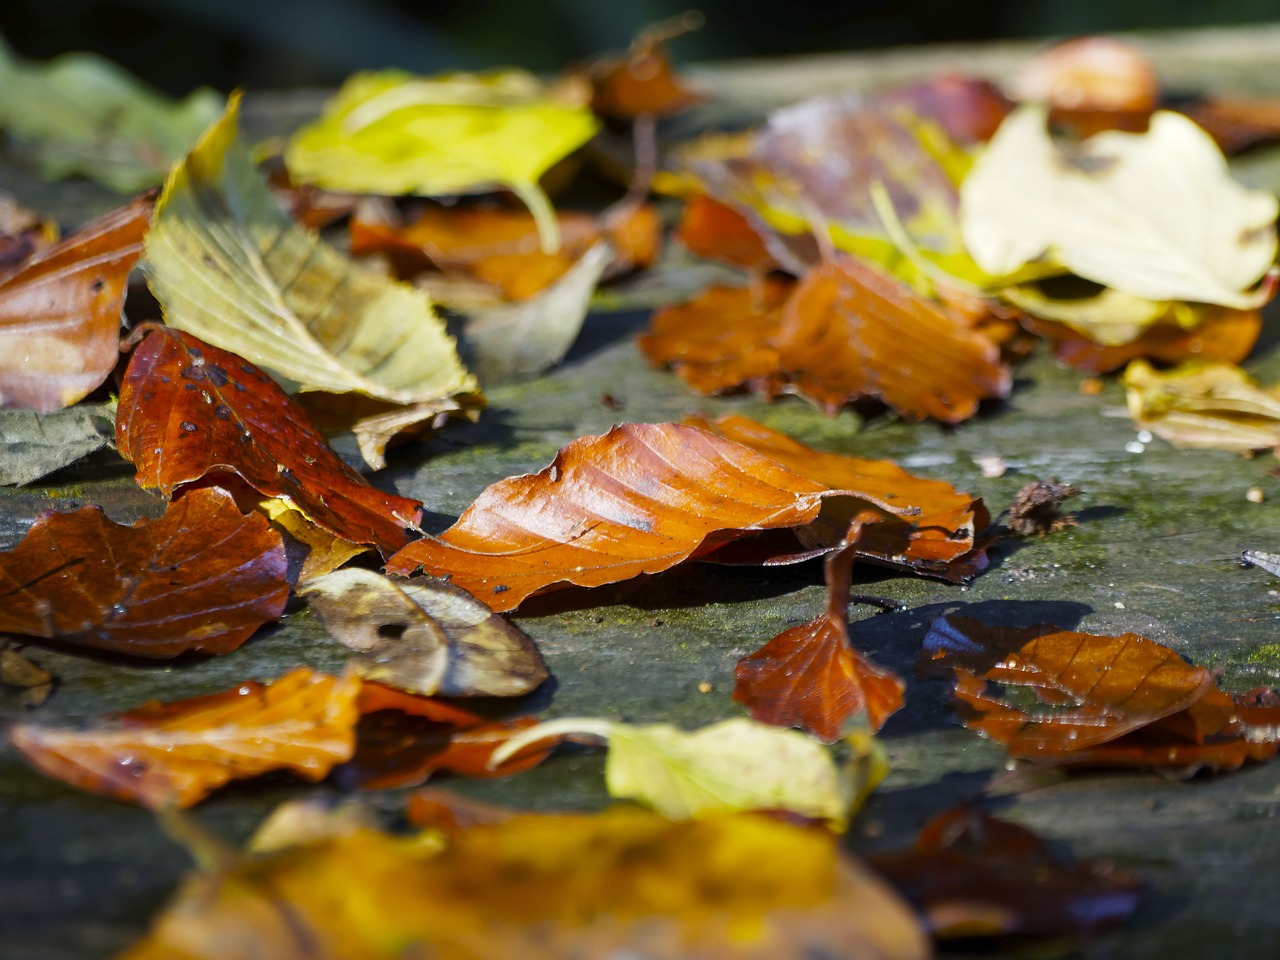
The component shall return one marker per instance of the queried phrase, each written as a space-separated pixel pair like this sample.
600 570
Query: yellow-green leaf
228 266
1107 316
1200 404
395 133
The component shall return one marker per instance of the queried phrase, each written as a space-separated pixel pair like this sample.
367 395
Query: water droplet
119 609
245 690
188 426
126 760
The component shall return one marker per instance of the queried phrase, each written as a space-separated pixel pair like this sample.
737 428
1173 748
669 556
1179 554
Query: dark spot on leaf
192 372
239 386
501 588
287 474
195 351
209 261
217 376
188 426
97 285
391 631
222 412
190 386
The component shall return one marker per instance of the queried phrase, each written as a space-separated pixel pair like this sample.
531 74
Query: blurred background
179 44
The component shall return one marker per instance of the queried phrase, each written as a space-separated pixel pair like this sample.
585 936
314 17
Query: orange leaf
188 408
60 311
810 676
202 578
638 500
717 231
178 753
642 81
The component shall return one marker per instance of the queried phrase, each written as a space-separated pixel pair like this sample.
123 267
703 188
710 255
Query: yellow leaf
326 551
1200 404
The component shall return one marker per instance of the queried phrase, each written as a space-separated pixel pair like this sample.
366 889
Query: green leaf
82 114
394 133
731 766
228 266
1155 215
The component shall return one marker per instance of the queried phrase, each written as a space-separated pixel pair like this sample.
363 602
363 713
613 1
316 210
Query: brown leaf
188 409
1037 508
941 540
971 875
60 311
969 109
810 676
202 578
850 331
22 232
177 753
717 231
642 81
638 500
1237 123
32 682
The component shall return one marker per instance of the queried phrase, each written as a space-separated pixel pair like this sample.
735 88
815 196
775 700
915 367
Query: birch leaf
1156 215
228 266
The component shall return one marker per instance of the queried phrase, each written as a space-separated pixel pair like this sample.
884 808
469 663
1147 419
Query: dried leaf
717 231
730 766
1036 508
810 676
638 500
393 133
1199 404
32 682
82 114
1103 315
228 266
377 425
326 552
642 81
1237 123
188 409
202 578
34 445
178 753
969 109
540 886
60 311
971 875
425 636
1155 215
22 232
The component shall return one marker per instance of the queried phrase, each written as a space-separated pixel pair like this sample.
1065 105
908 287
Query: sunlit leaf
326 551
1199 404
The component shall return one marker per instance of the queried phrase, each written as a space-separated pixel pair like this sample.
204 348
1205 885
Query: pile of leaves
898 250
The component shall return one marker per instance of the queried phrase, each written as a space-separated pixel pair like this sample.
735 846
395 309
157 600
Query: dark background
179 44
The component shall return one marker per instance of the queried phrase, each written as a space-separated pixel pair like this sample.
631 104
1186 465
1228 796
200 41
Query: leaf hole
391 631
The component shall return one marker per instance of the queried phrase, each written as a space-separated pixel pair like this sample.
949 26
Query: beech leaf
228 266
177 753
33 445
425 636
202 578
1155 215
188 409
326 551
1201 404
60 311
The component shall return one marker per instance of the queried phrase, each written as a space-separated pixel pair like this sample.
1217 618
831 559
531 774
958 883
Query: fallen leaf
730 766
188 409
1200 404
227 265
811 676
638 500
972 875
34 445
1236 123
202 578
1103 315
60 311
393 133
716 231
22 232
425 636
941 540
80 113
1037 508
1091 75
642 81
175 754
625 882
969 109
326 552
1155 215
32 682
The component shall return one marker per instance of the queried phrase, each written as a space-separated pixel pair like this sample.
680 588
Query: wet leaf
625 882
176 754
33 445
1198 404
638 500
811 676
425 636
325 551
188 409
730 766
228 266
394 133
1155 215
82 114
941 540
202 578
972 875
1037 508
60 311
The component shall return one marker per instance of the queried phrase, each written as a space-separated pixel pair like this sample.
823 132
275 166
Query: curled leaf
1199 404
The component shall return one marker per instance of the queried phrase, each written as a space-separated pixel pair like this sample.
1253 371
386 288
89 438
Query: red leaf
202 578
188 409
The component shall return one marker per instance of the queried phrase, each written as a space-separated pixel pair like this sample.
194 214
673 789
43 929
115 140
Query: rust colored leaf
642 81
716 231
638 500
188 409
166 754
60 311
850 331
941 540
1237 123
810 676
202 579
972 875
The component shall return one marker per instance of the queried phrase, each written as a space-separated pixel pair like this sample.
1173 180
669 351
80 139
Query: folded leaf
1199 404
326 552
175 754
1155 215
33 445
60 311
202 579
425 636
229 267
